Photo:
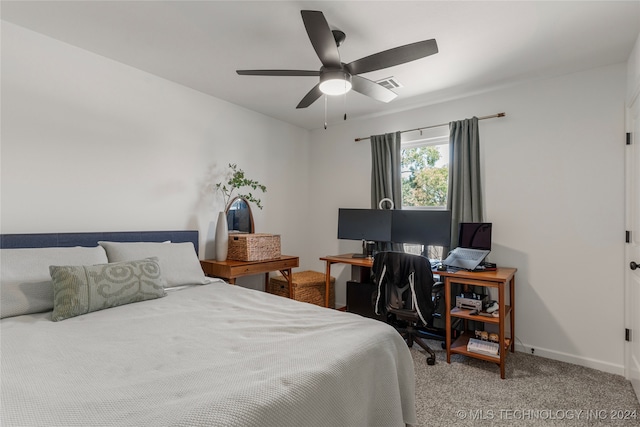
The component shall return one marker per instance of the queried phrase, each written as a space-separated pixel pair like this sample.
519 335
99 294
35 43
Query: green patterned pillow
82 289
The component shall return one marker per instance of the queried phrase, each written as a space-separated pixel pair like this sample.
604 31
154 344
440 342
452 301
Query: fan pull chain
345 100
325 112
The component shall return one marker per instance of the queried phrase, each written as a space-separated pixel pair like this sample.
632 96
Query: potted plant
238 180
230 189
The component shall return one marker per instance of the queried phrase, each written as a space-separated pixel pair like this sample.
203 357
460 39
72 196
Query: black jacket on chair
399 269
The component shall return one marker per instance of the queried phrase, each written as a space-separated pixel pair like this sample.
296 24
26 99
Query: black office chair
407 294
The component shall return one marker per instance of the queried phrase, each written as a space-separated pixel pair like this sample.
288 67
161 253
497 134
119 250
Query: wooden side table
503 279
231 269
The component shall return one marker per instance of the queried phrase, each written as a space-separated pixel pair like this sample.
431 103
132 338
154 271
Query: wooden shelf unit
504 280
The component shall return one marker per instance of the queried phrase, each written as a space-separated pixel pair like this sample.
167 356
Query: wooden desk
341 259
231 270
501 279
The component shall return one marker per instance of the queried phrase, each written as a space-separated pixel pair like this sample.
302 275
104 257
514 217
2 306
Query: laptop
474 244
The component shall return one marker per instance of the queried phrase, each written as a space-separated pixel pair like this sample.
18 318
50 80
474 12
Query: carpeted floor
536 392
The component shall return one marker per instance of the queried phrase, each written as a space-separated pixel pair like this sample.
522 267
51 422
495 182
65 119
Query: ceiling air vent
390 83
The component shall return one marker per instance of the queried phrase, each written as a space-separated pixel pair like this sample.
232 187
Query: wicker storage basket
308 286
253 247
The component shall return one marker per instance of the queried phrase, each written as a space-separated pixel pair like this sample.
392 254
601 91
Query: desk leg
501 328
232 280
447 308
512 299
327 283
287 275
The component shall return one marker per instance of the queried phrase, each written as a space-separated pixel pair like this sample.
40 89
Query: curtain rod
436 126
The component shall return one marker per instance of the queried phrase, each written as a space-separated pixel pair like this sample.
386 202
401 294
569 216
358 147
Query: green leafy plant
237 181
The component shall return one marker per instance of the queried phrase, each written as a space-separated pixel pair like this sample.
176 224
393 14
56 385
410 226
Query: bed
194 351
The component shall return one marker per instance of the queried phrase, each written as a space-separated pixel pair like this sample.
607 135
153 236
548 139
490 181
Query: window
425 172
425 178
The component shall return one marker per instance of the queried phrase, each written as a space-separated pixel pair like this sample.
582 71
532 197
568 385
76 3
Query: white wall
90 144
553 185
633 72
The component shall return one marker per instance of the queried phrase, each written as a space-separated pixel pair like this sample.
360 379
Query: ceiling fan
336 77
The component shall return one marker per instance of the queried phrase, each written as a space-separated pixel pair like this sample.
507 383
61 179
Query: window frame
433 138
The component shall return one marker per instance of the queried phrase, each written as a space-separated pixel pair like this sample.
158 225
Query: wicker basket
308 286
253 247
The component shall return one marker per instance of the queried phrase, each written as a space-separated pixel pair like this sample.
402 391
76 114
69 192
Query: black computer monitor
475 235
422 226
364 224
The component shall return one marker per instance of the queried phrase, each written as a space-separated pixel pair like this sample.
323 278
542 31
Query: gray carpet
536 392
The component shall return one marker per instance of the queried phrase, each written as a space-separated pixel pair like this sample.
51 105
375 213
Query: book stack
483 347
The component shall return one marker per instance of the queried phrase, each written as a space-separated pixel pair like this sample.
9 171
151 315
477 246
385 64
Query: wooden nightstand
231 269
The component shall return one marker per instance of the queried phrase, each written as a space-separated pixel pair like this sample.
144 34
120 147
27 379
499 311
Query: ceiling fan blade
396 56
310 97
321 38
278 73
372 89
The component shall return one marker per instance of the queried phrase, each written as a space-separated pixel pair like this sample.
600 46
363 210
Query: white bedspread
211 355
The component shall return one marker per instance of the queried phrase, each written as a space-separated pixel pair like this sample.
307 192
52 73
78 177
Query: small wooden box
308 286
253 247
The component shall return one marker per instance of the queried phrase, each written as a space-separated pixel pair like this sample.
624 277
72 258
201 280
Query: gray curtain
464 198
385 174
385 169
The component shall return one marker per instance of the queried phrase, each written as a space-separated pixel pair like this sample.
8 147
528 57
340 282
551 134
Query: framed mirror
239 216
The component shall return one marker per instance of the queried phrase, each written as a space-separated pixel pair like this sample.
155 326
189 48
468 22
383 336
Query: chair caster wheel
443 345
431 360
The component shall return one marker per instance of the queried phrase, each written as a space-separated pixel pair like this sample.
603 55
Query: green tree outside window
423 183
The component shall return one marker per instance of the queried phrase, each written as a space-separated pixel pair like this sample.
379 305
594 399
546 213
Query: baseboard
573 359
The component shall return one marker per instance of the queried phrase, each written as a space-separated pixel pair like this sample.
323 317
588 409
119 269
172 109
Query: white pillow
25 281
178 261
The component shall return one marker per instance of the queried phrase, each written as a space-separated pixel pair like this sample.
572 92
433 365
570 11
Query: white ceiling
200 44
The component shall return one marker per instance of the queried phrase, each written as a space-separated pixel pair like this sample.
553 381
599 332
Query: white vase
222 237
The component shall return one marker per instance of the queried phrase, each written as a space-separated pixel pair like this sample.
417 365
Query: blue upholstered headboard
48 240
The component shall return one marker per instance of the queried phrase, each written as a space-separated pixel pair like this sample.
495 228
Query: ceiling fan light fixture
336 77
336 82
